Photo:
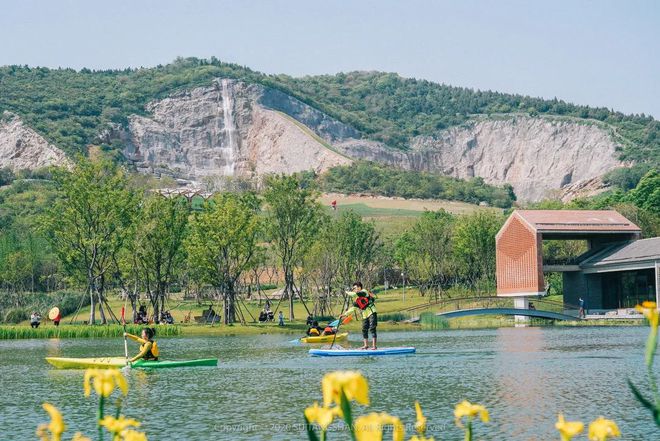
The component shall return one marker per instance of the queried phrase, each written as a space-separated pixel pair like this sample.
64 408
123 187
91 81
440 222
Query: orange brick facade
519 259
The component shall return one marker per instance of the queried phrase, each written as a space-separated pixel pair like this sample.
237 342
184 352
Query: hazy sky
603 53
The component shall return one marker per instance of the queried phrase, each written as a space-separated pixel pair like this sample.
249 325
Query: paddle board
361 352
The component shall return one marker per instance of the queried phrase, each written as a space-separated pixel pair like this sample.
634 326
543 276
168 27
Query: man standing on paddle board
364 301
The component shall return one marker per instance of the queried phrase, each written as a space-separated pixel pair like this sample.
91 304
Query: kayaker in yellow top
363 301
148 347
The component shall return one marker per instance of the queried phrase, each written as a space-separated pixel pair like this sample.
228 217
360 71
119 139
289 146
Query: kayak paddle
123 321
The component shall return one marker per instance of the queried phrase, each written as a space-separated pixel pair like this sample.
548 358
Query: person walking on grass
364 301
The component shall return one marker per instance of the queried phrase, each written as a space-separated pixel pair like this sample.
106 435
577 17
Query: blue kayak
360 352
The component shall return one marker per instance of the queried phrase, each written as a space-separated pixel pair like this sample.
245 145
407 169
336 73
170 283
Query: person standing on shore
364 301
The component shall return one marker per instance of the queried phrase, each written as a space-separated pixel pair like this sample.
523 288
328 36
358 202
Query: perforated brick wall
519 262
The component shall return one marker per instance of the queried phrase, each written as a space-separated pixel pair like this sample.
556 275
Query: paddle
123 321
347 319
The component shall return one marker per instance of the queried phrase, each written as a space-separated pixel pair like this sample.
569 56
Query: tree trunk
92 306
288 290
101 311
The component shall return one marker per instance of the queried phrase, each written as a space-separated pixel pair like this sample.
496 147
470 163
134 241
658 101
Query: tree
223 243
428 249
358 245
293 220
474 245
158 244
647 193
86 225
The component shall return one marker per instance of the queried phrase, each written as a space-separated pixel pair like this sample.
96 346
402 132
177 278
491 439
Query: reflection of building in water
520 384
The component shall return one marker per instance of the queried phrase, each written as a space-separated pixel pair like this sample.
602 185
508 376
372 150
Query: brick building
617 271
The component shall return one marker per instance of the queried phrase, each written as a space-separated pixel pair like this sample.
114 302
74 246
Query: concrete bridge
550 315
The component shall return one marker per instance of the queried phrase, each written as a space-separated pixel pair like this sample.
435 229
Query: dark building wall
588 286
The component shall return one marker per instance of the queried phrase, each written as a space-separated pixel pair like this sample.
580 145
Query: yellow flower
322 416
420 425
133 435
600 429
116 425
104 381
650 311
420 438
370 427
80 437
353 384
467 409
56 426
568 429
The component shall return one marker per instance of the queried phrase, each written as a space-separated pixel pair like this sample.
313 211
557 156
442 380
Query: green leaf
646 403
348 413
311 435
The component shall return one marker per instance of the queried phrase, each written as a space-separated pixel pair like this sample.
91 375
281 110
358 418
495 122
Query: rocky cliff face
226 130
236 129
21 148
188 135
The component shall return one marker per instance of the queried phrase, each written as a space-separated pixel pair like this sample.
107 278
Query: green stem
100 417
323 433
468 430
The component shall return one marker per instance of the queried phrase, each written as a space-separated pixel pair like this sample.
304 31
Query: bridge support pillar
521 303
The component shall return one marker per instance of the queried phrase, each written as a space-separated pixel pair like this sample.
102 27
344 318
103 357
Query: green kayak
120 362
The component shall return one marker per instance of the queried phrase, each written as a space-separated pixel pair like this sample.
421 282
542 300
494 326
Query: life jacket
364 300
153 353
328 330
313 331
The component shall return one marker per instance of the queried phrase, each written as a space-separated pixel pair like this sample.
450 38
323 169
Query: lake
524 376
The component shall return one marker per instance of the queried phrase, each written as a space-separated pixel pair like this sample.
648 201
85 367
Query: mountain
194 119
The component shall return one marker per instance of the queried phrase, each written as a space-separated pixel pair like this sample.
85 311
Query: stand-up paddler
364 301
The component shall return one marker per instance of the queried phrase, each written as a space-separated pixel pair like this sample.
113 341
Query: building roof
577 221
644 250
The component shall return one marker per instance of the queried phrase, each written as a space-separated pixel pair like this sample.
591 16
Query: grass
80 331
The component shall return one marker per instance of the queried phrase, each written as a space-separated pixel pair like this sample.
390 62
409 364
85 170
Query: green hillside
70 107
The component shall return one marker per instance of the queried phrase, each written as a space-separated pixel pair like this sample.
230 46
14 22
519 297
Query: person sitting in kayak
314 330
364 301
148 347
329 330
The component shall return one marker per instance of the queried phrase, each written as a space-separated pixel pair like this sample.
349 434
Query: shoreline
22 332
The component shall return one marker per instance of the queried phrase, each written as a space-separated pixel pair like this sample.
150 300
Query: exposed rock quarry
21 148
236 129
188 136
225 130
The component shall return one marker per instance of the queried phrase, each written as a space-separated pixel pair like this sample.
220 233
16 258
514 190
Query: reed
81 331
429 320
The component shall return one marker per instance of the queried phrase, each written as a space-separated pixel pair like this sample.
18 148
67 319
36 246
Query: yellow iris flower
568 429
133 435
80 437
104 381
420 424
56 426
370 427
420 438
118 425
650 311
600 429
353 384
467 409
323 416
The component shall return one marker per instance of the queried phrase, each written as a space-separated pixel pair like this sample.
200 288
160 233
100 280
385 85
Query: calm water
525 376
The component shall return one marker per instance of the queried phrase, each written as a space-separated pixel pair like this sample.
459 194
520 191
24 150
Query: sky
599 53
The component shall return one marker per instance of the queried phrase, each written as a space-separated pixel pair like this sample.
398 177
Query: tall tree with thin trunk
294 217
159 236
223 243
86 224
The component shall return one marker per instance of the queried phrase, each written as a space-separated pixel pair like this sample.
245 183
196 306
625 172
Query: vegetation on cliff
70 108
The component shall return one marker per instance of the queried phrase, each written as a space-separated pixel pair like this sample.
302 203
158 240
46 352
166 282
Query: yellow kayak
325 338
120 362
